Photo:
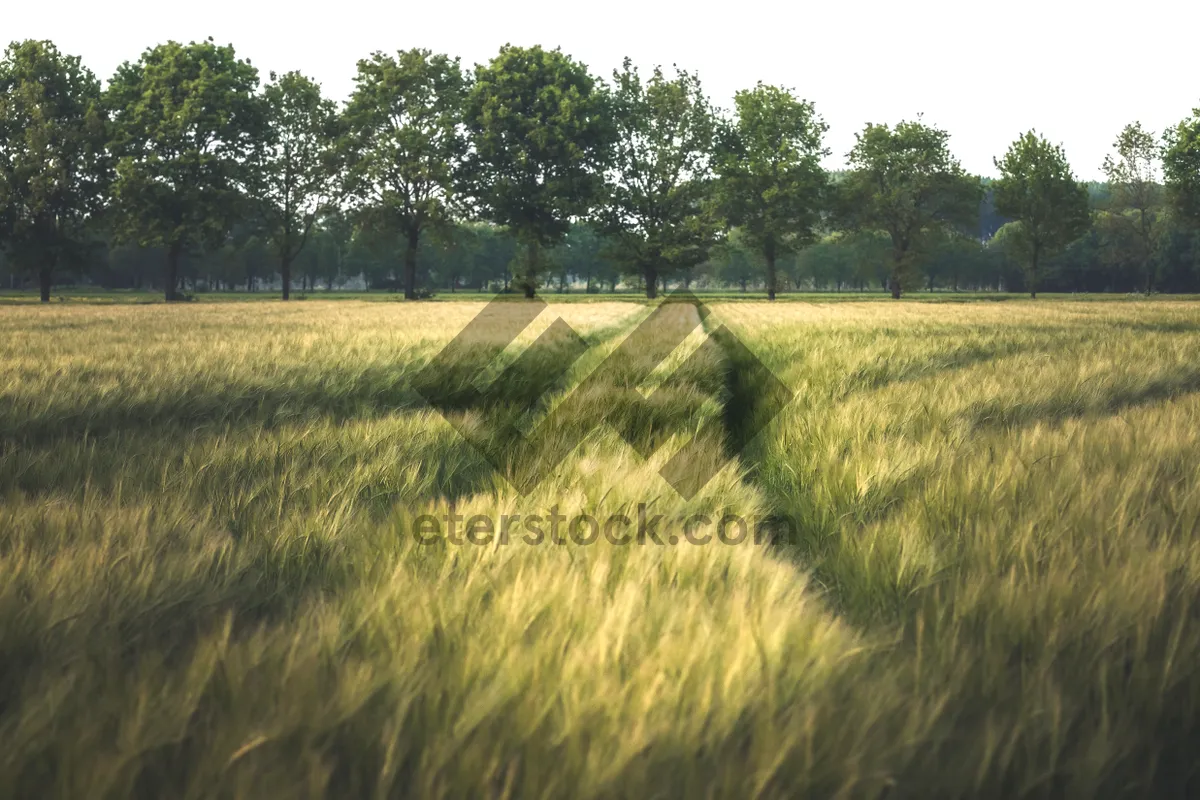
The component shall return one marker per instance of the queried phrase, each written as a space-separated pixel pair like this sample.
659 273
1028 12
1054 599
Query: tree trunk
46 278
770 256
1033 273
529 279
285 274
893 282
651 281
410 264
172 281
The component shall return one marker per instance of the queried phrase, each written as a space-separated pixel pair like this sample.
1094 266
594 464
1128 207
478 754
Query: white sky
1076 71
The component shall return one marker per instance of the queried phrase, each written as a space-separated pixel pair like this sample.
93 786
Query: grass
98 296
983 578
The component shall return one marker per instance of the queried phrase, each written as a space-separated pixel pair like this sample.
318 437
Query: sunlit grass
984 581
1015 492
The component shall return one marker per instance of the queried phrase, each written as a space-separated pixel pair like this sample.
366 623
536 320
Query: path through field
227 568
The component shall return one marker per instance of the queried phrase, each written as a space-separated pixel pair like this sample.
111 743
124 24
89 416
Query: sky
1077 72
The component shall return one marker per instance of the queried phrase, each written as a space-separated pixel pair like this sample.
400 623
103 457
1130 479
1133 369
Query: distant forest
187 173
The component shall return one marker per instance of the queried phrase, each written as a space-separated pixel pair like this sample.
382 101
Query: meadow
981 576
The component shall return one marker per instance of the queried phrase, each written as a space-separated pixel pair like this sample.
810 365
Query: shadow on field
339 396
998 414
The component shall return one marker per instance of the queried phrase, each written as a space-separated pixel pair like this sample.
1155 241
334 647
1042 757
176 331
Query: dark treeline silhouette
188 173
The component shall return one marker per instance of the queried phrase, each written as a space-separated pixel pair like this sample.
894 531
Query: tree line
530 173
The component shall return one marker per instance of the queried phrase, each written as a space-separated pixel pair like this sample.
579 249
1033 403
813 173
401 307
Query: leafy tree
772 184
954 259
830 261
1038 191
735 262
584 254
335 232
1133 175
54 170
657 215
905 182
186 119
494 255
1181 168
451 255
540 135
406 142
295 175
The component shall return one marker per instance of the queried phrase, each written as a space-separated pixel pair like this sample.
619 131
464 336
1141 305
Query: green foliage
657 211
771 183
737 262
586 254
54 168
1181 167
1038 191
905 182
540 132
186 122
295 175
842 260
405 143
1137 194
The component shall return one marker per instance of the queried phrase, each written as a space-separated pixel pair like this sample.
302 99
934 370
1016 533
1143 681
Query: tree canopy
295 176
54 167
904 181
657 210
1038 191
1133 172
406 143
771 184
540 133
1181 168
186 122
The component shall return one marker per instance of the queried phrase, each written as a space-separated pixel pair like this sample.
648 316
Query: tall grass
210 583
1013 494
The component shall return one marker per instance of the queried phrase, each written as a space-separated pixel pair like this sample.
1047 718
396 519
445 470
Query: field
975 568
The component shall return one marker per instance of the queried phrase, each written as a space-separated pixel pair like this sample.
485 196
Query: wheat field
979 574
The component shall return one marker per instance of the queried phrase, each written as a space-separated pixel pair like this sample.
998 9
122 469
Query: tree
585 255
540 137
656 214
335 232
54 169
772 184
1038 191
1181 168
1136 191
905 182
186 119
406 143
295 175
736 263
